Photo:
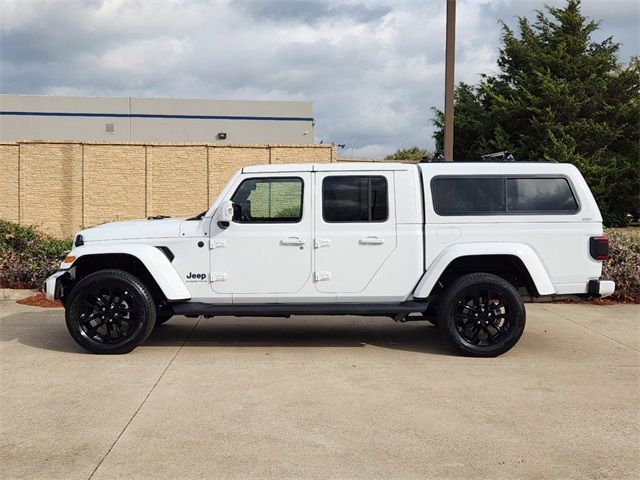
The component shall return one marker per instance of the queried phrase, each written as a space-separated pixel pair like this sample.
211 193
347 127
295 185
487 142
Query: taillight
599 248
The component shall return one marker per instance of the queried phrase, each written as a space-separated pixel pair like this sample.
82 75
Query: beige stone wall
63 187
224 162
114 183
9 185
51 187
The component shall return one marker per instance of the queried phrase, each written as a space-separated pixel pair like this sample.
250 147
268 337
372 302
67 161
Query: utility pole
449 68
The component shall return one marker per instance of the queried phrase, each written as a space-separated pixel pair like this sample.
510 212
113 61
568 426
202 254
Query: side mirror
225 214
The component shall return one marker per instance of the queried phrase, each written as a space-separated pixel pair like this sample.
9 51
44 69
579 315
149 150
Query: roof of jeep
487 168
327 167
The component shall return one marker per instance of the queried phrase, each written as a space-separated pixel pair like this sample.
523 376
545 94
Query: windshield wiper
199 216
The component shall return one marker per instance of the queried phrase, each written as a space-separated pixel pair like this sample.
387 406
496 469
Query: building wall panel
176 180
114 183
9 185
51 186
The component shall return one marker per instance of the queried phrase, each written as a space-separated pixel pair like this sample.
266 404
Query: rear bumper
53 287
601 287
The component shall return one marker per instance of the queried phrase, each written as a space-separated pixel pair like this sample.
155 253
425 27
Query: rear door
355 228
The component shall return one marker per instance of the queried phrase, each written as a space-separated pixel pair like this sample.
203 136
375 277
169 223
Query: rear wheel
110 311
481 315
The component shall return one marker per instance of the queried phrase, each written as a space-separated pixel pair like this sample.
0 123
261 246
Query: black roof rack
437 157
504 156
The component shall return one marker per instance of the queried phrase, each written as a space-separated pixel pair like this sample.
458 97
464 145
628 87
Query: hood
134 229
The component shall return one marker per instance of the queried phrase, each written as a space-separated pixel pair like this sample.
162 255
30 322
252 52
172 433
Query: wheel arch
147 262
516 263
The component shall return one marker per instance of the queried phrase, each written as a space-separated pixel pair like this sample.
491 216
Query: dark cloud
311 11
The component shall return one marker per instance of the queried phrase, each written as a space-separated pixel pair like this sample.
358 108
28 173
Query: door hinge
213 243
218 277
321 242
322 276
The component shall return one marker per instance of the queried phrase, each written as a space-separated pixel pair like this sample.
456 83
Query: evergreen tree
408 155
558 96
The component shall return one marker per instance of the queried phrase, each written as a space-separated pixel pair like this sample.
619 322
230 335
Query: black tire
110 311
162 318
481 315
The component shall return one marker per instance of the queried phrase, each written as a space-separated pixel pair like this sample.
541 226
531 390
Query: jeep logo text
196 276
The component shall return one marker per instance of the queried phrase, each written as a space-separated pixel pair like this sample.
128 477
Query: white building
36 117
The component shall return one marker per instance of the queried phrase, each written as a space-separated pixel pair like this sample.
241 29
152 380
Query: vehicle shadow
47 330
347 332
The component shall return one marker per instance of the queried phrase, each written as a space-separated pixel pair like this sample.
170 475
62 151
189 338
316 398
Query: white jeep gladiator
459 244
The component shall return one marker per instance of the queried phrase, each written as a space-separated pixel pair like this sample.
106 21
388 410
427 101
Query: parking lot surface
322 397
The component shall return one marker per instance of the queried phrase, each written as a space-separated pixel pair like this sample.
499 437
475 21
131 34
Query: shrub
27 255
623 265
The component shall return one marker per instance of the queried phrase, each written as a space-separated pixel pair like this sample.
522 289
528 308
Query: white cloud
372 69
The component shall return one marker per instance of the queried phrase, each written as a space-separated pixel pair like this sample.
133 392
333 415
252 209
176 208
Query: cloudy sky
372 68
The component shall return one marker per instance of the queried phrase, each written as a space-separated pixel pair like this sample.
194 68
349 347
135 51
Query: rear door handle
371 241
292 241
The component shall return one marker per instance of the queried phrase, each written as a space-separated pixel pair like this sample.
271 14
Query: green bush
27 255
623 265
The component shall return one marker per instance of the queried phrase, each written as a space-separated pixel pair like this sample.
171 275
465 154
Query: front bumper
54 286
601 287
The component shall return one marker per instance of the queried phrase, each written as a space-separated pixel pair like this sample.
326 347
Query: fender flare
153 259
525 253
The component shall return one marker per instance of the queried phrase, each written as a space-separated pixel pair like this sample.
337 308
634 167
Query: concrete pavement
330 397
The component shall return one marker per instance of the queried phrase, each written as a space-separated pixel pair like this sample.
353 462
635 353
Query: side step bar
396 310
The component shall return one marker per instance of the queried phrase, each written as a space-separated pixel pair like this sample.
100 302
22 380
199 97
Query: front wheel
481 315
110 311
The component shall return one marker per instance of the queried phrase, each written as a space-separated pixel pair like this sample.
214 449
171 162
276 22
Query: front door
266 249
355 229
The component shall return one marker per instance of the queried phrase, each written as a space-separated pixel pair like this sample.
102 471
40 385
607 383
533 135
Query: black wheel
481 315
162 318
110 311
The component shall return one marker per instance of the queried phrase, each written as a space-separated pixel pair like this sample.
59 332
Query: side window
268 200
355 199
468 196
502 195
540 195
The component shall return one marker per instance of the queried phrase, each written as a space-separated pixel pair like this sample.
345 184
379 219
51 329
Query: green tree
408 155
558 96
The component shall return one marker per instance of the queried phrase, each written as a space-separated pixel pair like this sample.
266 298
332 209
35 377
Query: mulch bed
39 300
591 301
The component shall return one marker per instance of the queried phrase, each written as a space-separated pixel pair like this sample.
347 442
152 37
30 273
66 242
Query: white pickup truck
459 244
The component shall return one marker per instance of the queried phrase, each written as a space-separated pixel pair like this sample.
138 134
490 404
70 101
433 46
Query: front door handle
292 241
371 241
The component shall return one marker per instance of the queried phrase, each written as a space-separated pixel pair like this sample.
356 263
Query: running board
287 309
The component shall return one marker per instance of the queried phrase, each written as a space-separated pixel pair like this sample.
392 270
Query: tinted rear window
468 196
540 195
502 195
